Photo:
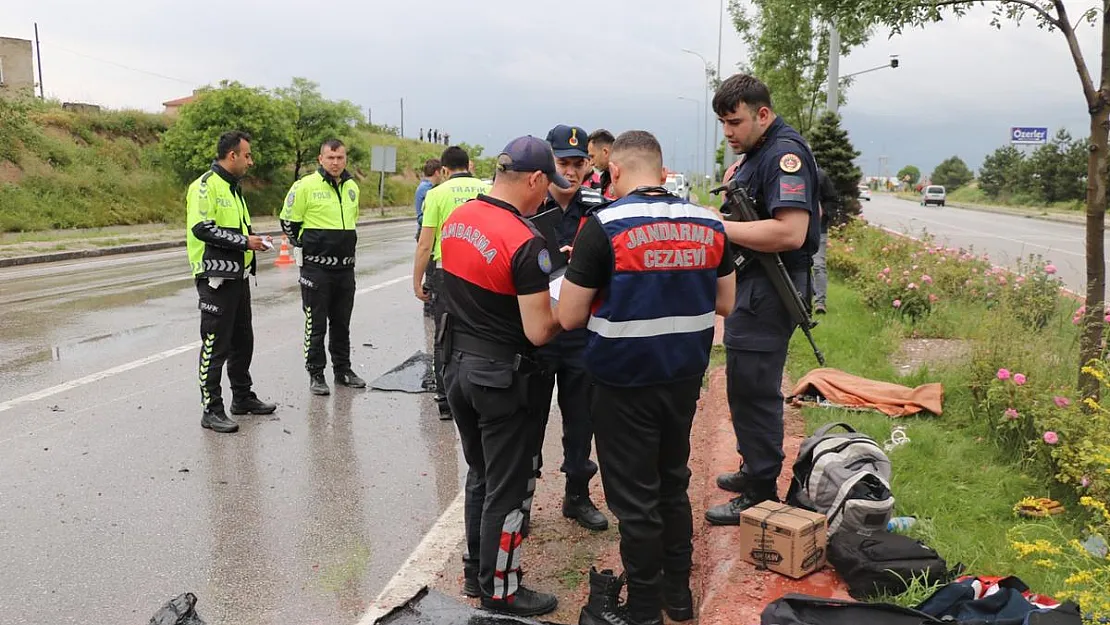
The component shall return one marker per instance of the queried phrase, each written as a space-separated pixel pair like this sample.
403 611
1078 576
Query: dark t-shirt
828 198
592 259
480 288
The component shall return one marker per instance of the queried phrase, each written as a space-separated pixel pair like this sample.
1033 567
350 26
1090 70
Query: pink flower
886 270
1003 374
1061 402
1011 414
933 298
1051 438
911 286
1002 279
926 279
897 303
888 281
1085 482
1107 318
1019 379
1050 269
885 250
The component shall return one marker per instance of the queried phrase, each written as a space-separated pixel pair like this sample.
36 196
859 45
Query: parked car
865 192
933 194
676 184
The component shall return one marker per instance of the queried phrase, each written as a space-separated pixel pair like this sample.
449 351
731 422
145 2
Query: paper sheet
555 286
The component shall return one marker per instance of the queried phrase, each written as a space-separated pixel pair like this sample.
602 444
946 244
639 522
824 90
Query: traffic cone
284 257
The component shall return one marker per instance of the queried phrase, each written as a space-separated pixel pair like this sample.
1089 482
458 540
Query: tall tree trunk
1090 346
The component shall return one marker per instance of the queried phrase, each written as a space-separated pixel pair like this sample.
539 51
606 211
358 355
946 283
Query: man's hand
420 293
254 242
567 249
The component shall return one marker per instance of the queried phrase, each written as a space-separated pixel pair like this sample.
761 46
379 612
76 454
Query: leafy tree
789 52
1002 172
190 143
952 173
315 120
1051 16
909 174
835 154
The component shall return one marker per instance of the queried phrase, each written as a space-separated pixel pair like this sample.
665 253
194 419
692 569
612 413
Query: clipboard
547 223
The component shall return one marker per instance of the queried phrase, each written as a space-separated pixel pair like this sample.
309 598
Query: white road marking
134 364
422 566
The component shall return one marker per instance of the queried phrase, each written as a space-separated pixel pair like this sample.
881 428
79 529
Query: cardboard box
783 539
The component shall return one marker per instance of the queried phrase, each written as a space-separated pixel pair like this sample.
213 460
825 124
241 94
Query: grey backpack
846 477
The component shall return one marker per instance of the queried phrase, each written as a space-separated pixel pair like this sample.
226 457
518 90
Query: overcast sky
491 70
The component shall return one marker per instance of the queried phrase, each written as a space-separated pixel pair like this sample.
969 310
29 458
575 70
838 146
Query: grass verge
959 484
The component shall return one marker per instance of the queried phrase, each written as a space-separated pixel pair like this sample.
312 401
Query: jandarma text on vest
473 236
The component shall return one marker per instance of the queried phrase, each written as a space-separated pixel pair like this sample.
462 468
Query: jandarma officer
221 247
320 216
780 174
498 309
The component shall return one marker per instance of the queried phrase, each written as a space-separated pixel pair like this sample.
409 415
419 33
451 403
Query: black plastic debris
415 375
181 610
430 607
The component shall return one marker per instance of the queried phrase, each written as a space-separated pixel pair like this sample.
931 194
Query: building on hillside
16 66
173 107
81 107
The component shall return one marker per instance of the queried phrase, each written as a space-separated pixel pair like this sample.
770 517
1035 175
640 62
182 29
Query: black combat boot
251 404
577 506
347 377
605 592
678 601
318 385
526 602
471 587
732 482
755 494
216 419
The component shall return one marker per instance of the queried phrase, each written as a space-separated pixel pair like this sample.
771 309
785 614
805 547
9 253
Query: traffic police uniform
562 358
439 203
320 216
655 259
491 255
779 172
218 227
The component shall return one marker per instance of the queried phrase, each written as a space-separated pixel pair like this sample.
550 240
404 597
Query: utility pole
370 115
402 117
38 53
720 34
833 102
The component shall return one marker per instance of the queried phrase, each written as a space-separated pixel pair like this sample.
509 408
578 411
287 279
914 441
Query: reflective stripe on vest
653 323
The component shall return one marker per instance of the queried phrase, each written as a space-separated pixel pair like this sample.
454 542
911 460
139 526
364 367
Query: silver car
933 194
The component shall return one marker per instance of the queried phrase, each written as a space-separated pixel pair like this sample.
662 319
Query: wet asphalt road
113 499
1006 238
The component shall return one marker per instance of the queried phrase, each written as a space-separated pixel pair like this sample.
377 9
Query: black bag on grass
883 562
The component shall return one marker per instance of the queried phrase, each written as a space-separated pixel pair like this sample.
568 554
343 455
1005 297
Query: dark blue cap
529 154
568 141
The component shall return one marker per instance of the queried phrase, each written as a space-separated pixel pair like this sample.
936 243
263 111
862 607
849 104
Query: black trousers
755 401
564 365
437 348
643 445
328 296
227 335
497 425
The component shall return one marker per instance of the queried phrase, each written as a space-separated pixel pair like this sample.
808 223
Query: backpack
846 477
882 562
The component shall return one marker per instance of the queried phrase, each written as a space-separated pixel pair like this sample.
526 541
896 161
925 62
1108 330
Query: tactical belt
520 359
331 261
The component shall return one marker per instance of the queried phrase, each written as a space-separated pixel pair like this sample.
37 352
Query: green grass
959 484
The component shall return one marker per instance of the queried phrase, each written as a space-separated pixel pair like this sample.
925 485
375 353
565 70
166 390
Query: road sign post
383 159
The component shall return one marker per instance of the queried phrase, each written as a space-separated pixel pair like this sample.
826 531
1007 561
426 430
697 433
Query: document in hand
547 223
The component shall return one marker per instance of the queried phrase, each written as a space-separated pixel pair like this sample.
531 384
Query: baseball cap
568 141
528 154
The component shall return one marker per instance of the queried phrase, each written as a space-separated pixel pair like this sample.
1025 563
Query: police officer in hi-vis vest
221 247
320 215
498 310
648 275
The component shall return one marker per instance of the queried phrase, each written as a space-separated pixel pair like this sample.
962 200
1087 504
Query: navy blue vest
654 323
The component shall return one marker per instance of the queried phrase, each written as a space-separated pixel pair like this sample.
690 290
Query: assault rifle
738 207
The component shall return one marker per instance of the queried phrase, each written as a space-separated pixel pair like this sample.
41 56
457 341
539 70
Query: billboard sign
1028 136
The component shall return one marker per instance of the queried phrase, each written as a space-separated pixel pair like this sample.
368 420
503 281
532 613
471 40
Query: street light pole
705 129
833 101
697 123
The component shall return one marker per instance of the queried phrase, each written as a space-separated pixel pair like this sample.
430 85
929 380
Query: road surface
112 497
1005 238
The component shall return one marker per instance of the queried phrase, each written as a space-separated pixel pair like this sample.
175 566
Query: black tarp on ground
415 375
430 607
